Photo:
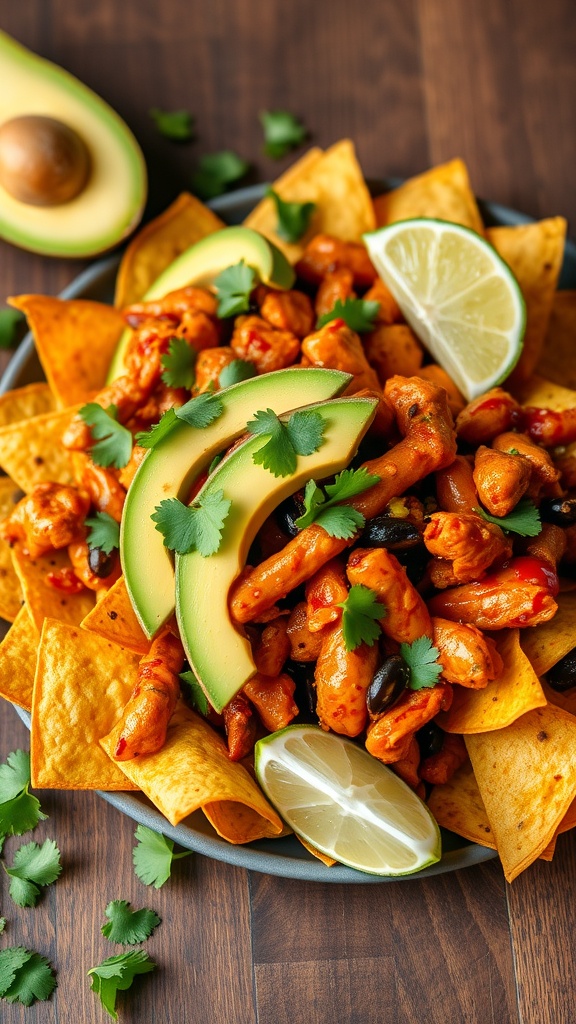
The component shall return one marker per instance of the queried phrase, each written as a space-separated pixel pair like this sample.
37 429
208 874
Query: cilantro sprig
236 371
19 810
217 171
177 125
128 927
153 856
422 660
302 434
523 520
179 364
233 288
293 218
33 866
116 974
103 532
25 976
199 412
282 132
341 521
361 612
195 527
113 445
358 314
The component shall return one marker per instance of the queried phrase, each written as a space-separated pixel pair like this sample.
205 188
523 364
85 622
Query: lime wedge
457 294
345 803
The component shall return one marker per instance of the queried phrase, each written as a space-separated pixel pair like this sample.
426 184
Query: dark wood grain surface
413 83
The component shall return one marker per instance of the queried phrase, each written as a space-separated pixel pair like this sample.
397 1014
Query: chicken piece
143 357
466 655
428 444
549 546
103 487
441 573
517 596
304 645
439 768
389 737
406 617
109 568
125 394
338 285
326 589
338 347
487 416
549 427
173 306
435 373
544 474
162 398
467 541
272 648
209 366
200 331
407 768
241 726
49 518
265 346
128 472
324 254
455 488
388 309
147 714
393 349
273 698
383 423
501 479
342 678
287 311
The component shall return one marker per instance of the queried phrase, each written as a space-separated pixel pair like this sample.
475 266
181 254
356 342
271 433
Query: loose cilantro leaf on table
359 314
422 660
114 441
153 856
360 614
116 974
195 692
233 288
282 132
25 976
236 371
177 125
10 319
196 527
217 171
104 532
523 520
293 218
33 866
179 364
129 927
340 521
19 810
301 435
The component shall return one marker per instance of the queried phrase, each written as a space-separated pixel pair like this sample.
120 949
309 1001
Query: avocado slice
220 656
170 469
202 262
111 203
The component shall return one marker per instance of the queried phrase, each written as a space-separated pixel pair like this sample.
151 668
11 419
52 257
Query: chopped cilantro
236 371
129 927
179 364
361 612
196 527
19 811
341 521
153 856
177 125
303 434
422 660
523 520
33 866
359 314
233 288
25 976
2 924
116 974
195 692
217 171
104 533
166 423
293 218
201 411
282 132
114 442
513 451
10 320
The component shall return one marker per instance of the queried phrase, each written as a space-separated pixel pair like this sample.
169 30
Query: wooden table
414 83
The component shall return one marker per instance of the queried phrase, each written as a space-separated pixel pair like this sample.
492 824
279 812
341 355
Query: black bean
563 675
289 511
394 534
302 672
100 563
387 686
560 511
430 739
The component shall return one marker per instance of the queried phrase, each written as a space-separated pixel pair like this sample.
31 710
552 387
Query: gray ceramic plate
285 857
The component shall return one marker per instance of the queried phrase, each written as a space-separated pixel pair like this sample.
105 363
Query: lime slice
345 803
457 294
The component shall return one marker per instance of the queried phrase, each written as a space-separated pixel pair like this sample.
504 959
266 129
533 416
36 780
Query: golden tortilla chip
183 224
547 643
31 451
193 770
443 192
526 774
516 691
42 598
544 394
18 653
75 340
328 861
558 358
333 181
22 403
81 688
113 617
10 589
534 253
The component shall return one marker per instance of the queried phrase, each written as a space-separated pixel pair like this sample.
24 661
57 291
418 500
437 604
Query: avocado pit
43 162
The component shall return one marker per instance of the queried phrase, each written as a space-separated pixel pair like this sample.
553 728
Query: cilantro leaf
341 521
422 660
305 428
116 974
216 171
236 371
153 856
25 976
150 438
293 218
233 288
19 810
14 775
195 692
282 132
179 364
360 614
303 434
10 320
349 483
201 411
359 314
196 527
338 520
126 926
2 924
33 866
104 532
177 125
114 441
523 520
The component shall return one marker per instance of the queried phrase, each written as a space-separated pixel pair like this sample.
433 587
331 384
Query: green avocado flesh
202 262
170 469
111 203
220 656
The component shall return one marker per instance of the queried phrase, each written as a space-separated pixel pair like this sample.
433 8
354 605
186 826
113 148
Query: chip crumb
112 615
542 736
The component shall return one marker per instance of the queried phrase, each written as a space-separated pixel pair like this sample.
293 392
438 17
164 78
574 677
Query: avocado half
111 204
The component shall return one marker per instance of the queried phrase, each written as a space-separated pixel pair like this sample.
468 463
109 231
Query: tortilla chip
81 688
22 403
44 600
458 806
328 861
526 775
18 652
31 451
113 617
75 340
443 192
516 691
183 224
534 253
10 589
544 394
193 770
558 358
333 181
547 643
